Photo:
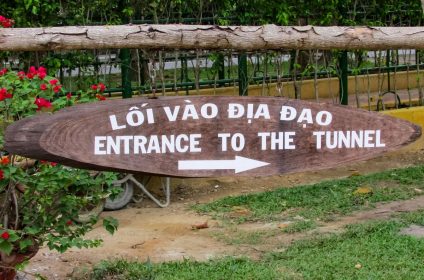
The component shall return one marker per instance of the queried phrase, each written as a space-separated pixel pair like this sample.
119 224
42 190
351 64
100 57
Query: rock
358 266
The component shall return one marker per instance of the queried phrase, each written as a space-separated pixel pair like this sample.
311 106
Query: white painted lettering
114 123
328 118
209 111
99 144
287 113
237 142
171 115
190 112
262 112
224 139
135 118
318 137
378 143
235 110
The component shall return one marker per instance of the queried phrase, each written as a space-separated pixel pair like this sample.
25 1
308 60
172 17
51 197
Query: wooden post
210 37
242 74
125 73
343 79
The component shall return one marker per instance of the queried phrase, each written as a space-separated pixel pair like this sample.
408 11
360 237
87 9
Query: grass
227 268
373 250
300 226
322 200
236 236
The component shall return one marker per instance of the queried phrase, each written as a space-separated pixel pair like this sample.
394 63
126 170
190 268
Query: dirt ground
147 232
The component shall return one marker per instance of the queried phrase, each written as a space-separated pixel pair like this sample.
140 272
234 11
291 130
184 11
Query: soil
147 232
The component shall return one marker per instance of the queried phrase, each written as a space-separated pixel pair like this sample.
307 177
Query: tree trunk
242 38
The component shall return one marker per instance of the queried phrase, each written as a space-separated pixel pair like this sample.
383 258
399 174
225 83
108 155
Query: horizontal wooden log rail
208 37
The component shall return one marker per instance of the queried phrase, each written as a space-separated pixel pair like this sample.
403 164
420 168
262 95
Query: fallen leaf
363 190
284 225
354 174
239 211
200 226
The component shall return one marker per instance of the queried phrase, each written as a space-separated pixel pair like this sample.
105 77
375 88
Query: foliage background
32 13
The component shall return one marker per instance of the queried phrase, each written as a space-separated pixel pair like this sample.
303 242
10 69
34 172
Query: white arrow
239 164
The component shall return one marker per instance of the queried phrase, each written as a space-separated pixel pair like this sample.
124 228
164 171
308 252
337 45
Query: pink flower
30 75
41 75
43 86
4 94
100 97
6 22
42 69
5 235
48 162
42 103
101 87
3 71
57 88
69 95
21 75
94 87
4 160
32 70
53 82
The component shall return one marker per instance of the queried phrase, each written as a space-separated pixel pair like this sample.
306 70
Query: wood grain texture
179 36
68 135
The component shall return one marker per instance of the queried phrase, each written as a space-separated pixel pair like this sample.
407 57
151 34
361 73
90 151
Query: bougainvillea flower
48 162
32 70
100 97
53 82
5 160
42 103
57 88
30 75
42 69
21 75
4 94
41 75
6 22
5 235
101 87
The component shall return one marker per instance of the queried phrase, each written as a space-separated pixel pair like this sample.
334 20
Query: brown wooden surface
68 136
180 36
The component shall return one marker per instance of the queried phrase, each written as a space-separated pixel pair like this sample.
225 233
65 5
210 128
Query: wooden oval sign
207 136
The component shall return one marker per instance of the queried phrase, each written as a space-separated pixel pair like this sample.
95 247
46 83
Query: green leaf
25 244
32 230
21 266
6 246
110 224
